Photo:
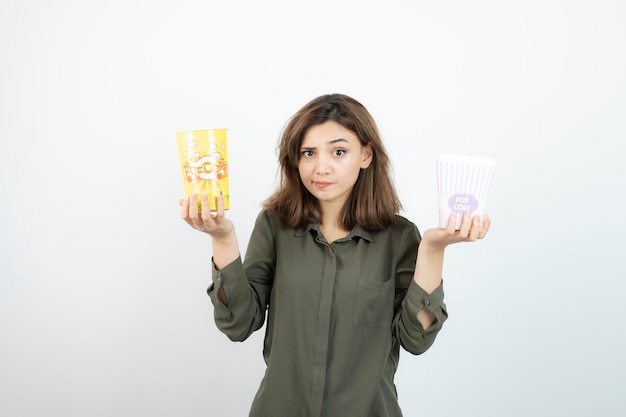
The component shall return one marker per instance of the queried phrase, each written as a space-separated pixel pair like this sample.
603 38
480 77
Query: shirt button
219 279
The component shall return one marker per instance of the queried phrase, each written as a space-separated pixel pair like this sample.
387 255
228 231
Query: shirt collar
357 231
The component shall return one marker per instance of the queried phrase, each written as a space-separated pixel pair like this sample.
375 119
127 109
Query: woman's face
331 158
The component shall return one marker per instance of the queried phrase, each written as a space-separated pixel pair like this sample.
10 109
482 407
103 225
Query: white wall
103 308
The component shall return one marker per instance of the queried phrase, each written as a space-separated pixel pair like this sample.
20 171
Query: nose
322 166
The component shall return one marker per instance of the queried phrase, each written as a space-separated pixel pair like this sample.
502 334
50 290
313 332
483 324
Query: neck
329 225
330 214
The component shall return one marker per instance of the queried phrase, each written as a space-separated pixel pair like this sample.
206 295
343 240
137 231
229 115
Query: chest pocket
373 305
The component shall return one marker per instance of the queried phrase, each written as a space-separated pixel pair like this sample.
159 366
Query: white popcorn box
463 184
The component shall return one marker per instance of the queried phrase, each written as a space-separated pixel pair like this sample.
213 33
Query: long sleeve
411 298
247 289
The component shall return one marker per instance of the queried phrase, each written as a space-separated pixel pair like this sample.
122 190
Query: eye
339 152
307 153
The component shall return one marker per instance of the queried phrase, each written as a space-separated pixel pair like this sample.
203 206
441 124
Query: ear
366 156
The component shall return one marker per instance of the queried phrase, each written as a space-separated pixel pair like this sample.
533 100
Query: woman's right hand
214 223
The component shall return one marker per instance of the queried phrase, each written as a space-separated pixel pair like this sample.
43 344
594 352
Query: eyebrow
332 142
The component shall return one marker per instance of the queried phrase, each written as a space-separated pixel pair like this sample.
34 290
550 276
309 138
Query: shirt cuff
226 275
417 298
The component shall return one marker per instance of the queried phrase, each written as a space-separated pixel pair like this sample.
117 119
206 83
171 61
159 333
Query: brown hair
373 202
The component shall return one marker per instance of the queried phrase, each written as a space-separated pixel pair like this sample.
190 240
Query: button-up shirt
337 314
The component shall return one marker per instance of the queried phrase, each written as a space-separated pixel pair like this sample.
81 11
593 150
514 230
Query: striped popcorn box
463 184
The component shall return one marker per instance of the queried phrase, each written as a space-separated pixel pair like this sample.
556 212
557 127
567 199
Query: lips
321 184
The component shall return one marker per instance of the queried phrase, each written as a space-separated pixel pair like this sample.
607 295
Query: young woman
343 280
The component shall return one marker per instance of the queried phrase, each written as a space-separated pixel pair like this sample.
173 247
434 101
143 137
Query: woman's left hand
470 231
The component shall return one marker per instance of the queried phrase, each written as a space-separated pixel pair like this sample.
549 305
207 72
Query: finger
486 226
450 228
474 229
465 225
184 210
193 206
206 209
220 205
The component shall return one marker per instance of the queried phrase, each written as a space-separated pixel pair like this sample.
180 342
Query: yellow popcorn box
203 156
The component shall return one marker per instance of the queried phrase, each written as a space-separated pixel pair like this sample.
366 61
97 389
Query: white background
103 310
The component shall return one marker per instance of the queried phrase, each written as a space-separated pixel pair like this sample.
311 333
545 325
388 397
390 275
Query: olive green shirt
337 315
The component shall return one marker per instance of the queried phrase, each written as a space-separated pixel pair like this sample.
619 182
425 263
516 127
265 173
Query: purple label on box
461 203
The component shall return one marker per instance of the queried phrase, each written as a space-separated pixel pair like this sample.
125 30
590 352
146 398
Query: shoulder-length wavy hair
373 202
